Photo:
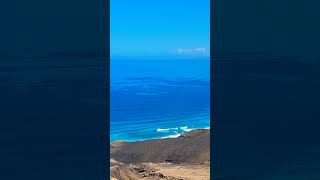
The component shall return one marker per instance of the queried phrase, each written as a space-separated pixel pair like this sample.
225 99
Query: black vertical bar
54 89
107 131
212 112
265 89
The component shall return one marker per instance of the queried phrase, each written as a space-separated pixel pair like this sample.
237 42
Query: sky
159 28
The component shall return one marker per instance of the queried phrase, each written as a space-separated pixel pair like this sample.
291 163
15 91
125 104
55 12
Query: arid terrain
184 158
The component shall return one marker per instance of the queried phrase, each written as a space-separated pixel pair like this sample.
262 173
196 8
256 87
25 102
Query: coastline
164 158
172 133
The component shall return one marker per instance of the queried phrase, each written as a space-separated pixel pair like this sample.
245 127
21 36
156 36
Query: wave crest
167 129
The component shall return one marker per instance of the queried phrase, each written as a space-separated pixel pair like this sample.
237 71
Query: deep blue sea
158 98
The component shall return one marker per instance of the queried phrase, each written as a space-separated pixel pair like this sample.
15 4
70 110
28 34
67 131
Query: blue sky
160 28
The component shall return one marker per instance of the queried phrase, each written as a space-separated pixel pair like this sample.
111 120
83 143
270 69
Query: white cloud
194 51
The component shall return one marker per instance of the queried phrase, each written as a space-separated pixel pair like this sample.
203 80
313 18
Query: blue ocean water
158 98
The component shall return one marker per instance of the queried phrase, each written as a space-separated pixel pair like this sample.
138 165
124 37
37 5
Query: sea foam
166 129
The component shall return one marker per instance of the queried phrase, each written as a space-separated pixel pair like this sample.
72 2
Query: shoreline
183 129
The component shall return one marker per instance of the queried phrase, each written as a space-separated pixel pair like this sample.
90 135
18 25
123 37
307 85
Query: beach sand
186 157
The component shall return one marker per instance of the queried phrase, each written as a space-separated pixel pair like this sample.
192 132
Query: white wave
186 129
161 130
183 128
166 129
171 136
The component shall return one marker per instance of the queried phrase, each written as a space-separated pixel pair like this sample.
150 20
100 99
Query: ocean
158 98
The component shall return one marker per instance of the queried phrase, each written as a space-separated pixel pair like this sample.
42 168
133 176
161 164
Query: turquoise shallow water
158 99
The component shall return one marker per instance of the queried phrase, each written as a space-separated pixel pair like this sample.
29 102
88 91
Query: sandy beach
186 157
